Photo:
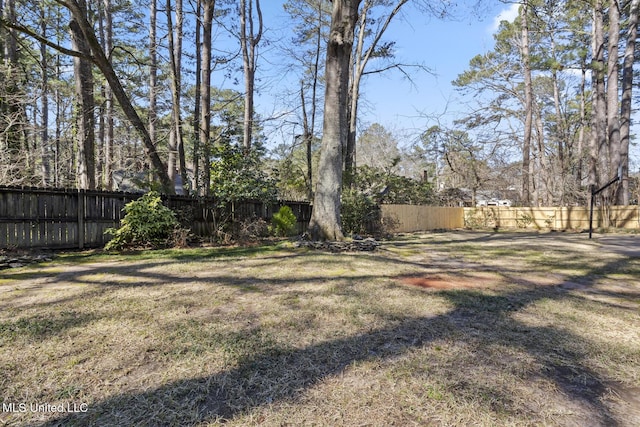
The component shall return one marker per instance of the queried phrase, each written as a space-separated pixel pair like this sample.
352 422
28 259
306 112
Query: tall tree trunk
176 146
108 103
309 123
196 110
57 158
597 151
307 136
354 95
182 160
249 40
314 100
613 112
44 125
325 219
627 91
528 106
360 63
204 133
153 71
9 102
103 63
583 121
100 108
562 136
543 168
172 146
84 107
9 43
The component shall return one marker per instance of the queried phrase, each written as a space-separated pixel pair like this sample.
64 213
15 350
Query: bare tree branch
38 37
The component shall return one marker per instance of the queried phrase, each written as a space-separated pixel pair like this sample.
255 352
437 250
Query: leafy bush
236 175
387 187
359 213
284 222
147 222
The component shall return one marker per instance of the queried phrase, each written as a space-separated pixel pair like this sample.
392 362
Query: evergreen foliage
387 187
147 223
284 222
238 175
359 213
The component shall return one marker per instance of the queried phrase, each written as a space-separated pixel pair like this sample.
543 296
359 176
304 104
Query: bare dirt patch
449 281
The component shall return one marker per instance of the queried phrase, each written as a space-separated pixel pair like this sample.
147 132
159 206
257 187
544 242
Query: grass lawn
433 329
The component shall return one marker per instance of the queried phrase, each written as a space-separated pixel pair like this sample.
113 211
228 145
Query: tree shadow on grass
281 374
103 276
42 327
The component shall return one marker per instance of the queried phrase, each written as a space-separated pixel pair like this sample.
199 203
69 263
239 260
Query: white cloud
509 14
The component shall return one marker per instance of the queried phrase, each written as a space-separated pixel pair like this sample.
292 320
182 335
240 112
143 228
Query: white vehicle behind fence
493 202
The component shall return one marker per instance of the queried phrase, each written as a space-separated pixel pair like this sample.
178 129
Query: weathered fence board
47 218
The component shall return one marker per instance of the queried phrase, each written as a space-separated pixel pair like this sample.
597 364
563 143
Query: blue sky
444 46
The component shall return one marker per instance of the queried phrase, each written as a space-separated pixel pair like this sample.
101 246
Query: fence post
81 203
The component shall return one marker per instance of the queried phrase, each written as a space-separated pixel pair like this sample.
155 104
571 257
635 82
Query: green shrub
238 175
284 222
147 222
359 213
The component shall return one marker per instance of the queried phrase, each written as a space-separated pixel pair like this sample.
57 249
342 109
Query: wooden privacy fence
406 218
553 218
409 218
45 218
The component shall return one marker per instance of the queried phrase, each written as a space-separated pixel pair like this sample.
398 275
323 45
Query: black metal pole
593 197
594 192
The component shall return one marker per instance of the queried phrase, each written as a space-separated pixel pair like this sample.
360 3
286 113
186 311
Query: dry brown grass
434 329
